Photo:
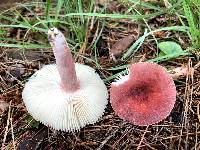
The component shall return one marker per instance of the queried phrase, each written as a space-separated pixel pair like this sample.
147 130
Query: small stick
13 138
142 138
6 130
106 139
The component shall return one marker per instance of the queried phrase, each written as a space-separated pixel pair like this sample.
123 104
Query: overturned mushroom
145 96
65 96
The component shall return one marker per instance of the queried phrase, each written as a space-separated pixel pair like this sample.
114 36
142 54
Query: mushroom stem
64 61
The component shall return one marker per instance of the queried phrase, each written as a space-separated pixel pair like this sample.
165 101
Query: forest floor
180 130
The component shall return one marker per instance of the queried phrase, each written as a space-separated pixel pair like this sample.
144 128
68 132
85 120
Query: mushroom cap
145 96
48 103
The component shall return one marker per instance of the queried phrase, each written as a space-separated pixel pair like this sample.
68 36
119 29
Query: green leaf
169 48
161 54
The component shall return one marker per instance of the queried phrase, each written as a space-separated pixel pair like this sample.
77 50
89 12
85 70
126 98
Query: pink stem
65 63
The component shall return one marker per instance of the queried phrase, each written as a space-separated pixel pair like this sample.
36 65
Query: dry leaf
3 106
29 54
15 71
159 34
120 46
181 71
31 139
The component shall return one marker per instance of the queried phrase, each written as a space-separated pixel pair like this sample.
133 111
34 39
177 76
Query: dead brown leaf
3 106
120 46
16 70
29 54
181 71
159 34
32 139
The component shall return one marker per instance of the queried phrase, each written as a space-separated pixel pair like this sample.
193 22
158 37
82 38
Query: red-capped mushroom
145 96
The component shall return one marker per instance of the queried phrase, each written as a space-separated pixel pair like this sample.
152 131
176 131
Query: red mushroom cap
145 96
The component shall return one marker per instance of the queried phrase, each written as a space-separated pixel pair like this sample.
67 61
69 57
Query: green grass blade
23 26
58 8
48 9
80 10
26 46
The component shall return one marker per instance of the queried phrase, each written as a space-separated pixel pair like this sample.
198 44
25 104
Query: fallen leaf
169 48
28 54
112 6
32 139
15 71
3 106
181 71
120 46
159 34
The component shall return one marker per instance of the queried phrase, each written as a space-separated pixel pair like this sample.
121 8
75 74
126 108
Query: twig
92 19
126 132
107 139
167 4
188 100
148 145
198 111
13 138
142 138
178 136
197 65
6 130
196 141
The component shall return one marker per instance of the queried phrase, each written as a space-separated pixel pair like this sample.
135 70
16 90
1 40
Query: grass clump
77 25
192 13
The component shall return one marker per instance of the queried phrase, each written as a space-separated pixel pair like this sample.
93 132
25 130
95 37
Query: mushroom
145 96
65 96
